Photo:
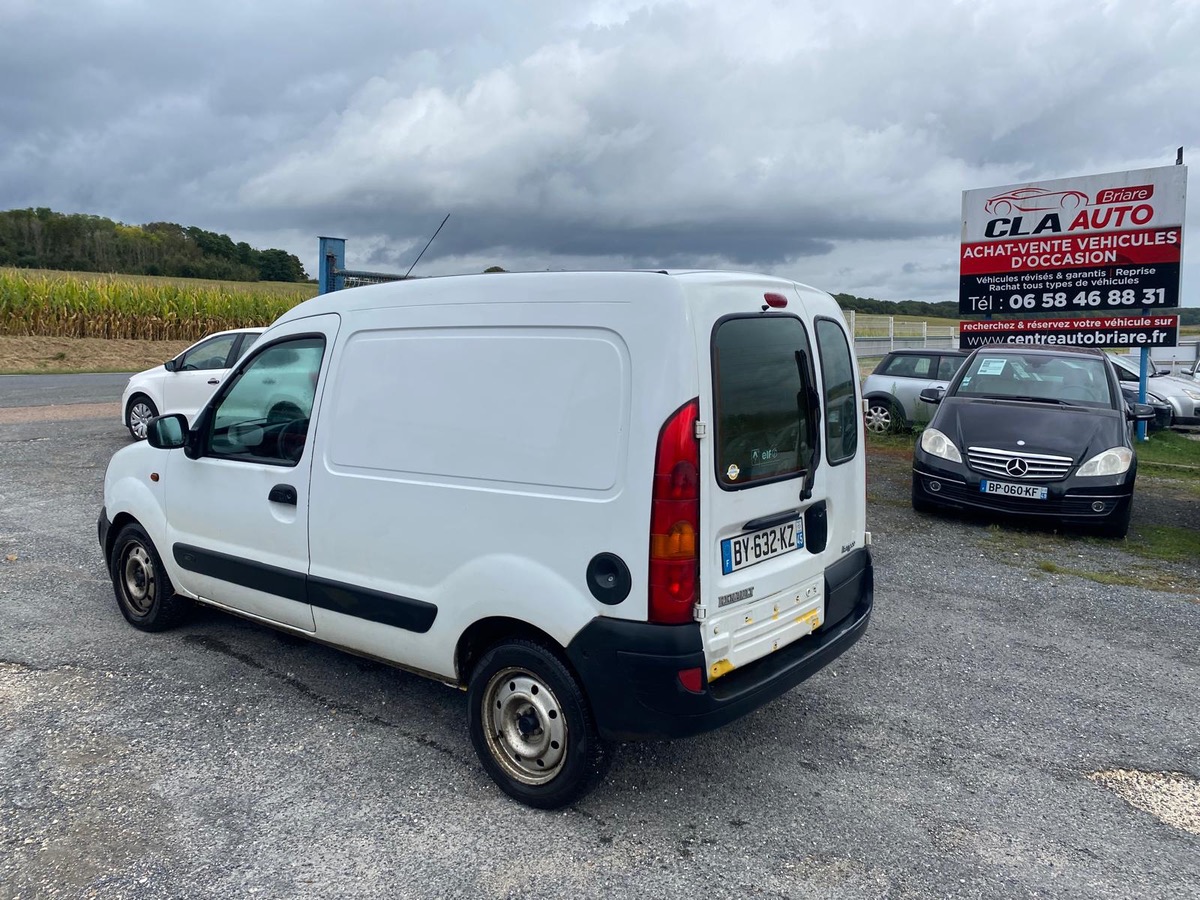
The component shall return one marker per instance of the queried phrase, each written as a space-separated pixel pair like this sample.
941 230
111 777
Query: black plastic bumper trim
103 526
348 599
630 669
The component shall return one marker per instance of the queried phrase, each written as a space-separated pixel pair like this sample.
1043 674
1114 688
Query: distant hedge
44 239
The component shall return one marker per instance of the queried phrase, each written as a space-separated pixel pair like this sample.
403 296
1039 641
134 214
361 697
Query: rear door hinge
701 429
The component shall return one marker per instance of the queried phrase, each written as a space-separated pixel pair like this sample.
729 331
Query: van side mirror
933 395
167 432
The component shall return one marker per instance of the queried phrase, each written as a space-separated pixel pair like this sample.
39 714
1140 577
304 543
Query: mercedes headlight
935 443
1111 462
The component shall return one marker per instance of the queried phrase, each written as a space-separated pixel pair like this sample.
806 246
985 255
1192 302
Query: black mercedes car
1031 432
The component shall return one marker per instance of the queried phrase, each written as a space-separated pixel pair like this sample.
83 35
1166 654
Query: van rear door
761 565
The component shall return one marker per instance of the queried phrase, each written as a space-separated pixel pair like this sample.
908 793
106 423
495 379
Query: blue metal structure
333 274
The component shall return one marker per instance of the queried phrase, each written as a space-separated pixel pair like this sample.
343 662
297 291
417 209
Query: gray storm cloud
831 143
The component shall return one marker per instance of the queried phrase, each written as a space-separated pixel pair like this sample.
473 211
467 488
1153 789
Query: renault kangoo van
608 506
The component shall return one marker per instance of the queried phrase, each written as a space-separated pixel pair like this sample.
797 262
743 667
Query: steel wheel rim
524 726
140 415
879 419
138 580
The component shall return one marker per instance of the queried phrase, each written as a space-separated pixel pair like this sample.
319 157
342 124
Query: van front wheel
531 726
144 592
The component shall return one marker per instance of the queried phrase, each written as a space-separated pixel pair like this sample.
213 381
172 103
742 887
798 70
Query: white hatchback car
183 384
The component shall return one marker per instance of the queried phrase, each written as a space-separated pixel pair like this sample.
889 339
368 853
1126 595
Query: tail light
675 519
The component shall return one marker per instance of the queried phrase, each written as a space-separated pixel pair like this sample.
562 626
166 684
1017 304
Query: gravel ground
1000 731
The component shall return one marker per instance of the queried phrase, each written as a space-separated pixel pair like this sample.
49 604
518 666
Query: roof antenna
426 247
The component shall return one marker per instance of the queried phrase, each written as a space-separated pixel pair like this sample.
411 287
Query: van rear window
763 421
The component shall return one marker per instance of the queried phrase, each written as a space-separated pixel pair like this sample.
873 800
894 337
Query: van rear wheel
531 726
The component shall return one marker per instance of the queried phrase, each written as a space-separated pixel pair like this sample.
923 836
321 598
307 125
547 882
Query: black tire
883 417
138 412
144 592
531 726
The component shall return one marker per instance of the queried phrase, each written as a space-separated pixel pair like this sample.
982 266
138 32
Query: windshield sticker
733 472
991 366
966 380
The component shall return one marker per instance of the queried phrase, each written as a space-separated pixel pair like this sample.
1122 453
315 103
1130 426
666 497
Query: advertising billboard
1107 331
1093 244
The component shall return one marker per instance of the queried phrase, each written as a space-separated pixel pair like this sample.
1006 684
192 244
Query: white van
610 505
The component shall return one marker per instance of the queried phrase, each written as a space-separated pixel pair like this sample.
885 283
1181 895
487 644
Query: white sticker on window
991 366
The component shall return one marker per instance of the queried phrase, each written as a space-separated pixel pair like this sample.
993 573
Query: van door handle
768 521
283 493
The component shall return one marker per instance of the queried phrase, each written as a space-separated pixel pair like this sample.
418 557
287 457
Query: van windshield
763 420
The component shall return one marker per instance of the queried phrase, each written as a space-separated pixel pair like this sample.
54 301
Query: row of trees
943 309
44 239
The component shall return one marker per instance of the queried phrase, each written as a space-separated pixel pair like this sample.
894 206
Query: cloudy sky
825 141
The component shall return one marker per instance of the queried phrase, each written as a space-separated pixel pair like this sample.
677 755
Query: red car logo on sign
1034 199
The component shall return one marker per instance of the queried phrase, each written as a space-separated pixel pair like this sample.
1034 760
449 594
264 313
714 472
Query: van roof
516 288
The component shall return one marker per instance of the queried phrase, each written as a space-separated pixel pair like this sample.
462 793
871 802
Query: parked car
1031 432
1163 412
893 390
607 505
183 384
1182 394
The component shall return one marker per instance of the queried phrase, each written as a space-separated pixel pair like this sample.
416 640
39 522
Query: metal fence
876 336
1173 359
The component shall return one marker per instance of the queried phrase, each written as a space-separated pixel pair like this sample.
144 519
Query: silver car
1182 394
893 390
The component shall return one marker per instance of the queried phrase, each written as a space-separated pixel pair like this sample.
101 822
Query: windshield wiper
1053 400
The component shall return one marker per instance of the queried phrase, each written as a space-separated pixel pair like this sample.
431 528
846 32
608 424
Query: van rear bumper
630 670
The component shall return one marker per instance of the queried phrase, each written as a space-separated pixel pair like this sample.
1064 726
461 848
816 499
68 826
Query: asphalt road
946 755
47 390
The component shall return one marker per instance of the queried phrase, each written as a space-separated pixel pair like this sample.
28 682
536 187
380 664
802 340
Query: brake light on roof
675 519
775 301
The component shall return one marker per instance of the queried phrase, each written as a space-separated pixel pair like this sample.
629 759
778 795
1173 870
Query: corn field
82 304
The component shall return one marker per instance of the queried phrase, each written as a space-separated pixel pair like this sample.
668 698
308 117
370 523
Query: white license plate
1007 489
748 549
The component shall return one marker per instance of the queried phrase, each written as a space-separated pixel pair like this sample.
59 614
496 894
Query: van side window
263 413
841 407
764 426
